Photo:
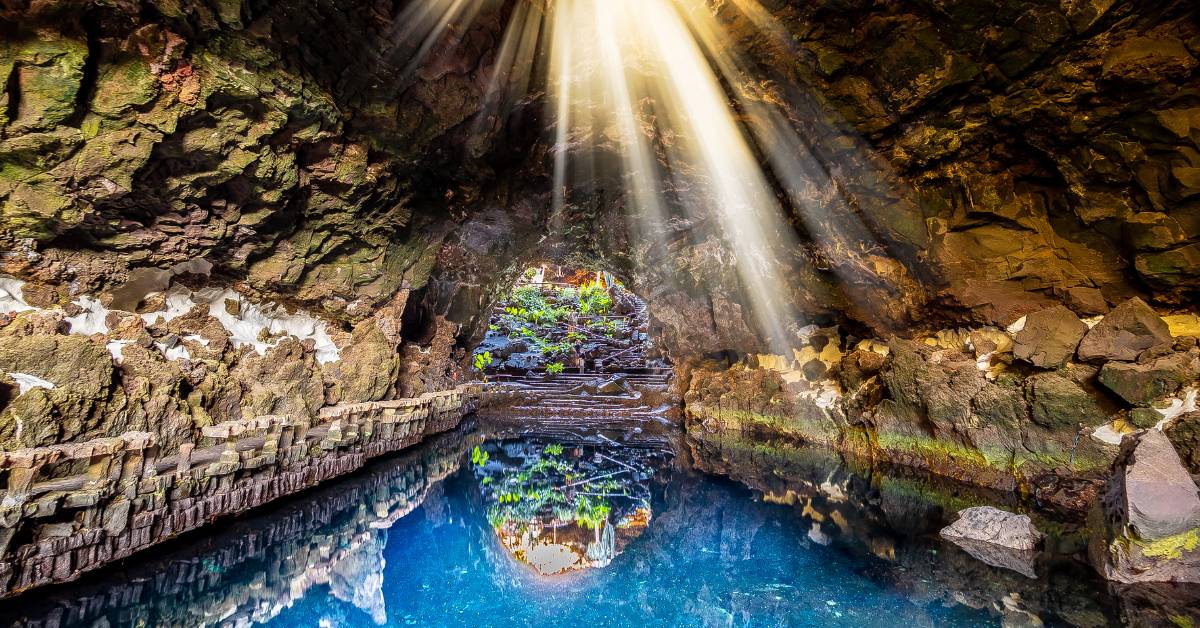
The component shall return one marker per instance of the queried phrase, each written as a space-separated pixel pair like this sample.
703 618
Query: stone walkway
571 404
71 508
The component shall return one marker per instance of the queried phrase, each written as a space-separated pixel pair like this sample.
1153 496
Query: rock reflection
896 516
566 507
256 568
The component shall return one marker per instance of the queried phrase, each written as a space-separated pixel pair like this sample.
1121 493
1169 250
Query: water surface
443 535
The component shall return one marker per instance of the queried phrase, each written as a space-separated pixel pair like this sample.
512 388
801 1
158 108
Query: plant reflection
561 508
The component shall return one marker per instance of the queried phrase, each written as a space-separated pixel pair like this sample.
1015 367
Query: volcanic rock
994 526
1124 333
1139 384
1049 337
1151 516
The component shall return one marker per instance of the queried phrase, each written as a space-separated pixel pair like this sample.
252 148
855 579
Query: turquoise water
715 557
415 541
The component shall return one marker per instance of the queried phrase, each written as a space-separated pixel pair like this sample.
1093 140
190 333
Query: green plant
553 449
552 349
554 368
529 297
576 336
483 360
594 299
567 295
479 457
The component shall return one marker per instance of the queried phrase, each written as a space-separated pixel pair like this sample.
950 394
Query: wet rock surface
1151 515
997 527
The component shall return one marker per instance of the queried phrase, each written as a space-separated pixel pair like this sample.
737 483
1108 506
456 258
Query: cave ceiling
999 157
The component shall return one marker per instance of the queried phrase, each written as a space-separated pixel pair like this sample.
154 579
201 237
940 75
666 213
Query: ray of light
635 68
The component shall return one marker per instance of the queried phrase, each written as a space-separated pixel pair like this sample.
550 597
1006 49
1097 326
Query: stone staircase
567 405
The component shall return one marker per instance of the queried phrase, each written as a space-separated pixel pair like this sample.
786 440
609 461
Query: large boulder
1124 333
1049 337
1139 384
1157 496
1059 402
1150 530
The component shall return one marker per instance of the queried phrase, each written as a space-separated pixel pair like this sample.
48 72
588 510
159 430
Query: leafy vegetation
554 368
557 323
483 360
594 300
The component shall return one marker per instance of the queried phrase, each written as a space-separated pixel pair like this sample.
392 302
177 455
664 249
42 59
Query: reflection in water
566 508
248 572
414 541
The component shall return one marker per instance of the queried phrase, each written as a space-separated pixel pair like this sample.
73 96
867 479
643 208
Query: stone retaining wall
248 572
72 508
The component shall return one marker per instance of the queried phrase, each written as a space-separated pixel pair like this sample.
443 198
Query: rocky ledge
1041 408
69 509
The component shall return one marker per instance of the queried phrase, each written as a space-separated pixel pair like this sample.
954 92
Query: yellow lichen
1172 547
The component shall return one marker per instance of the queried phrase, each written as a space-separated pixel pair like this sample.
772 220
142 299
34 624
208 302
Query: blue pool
470 530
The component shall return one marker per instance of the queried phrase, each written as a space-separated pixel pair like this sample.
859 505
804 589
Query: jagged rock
1139 383
1125 332
1185 434
1147 59
858 365
1049 337
994 526
1059 402
79 376
1151 516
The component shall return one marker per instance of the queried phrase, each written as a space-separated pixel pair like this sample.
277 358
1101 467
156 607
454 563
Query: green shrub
594 300
483 360
554 368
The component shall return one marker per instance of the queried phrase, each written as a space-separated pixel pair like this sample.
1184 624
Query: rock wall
213 165
253 564
248 207
1020 155
70 509
1040 408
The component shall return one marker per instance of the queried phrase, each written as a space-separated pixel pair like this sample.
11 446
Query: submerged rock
996 537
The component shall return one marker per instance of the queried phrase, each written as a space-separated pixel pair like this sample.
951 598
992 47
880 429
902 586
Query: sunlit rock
1124 333
1150 531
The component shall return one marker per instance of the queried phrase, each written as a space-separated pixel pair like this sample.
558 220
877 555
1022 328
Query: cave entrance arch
567 319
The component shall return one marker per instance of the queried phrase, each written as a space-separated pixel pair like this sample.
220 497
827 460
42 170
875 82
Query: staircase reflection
561 506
